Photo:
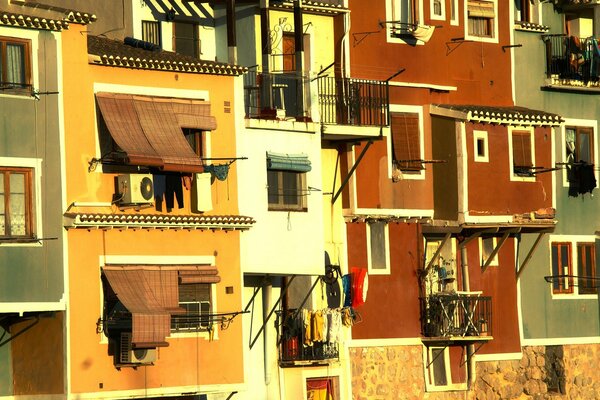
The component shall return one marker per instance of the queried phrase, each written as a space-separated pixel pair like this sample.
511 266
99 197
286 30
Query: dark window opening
186 40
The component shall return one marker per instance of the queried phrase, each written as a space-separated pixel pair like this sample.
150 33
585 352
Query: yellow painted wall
189 361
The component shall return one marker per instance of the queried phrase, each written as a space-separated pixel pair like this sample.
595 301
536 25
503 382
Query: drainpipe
266 306
467 288
231 39
299 45
265 37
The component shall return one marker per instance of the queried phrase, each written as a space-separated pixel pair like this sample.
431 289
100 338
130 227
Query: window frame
575 244
393 168
482 250
386 249
454 12
563 288
479 135
392 9
532 15
576 124
156 25
492 22
195 39
201 326
22 88
514 176
28 179
442 15
429 367
301 191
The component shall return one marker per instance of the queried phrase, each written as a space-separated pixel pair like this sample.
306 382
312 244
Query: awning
288 162
180 10
149 129
151 294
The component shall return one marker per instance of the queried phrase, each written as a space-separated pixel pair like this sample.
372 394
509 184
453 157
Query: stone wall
543 372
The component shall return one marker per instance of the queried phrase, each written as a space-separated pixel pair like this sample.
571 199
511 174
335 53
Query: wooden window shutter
289 51
521 142
406 143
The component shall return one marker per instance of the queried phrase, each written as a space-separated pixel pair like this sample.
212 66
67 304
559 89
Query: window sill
271 208
573 296
20 242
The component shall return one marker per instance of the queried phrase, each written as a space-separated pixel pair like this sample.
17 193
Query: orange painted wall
392 306
480 71
189 361
490 188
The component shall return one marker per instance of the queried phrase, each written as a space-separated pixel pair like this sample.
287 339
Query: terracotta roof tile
118 54
32 22
501 115
158 221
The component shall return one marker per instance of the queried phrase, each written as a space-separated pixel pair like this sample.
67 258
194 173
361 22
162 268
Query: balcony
292 348
356 102
572 61
282 96
456 316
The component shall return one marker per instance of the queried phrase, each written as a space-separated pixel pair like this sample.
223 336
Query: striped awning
179 10
288 162
149 129
151 294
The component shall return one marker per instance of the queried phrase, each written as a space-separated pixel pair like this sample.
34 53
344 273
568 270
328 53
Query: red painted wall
392 306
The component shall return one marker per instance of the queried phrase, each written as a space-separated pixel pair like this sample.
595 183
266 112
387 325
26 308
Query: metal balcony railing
276 96
456 314
358 102
292 341
571 59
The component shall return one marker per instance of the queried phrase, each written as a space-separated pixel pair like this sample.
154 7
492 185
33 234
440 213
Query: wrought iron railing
358 102
572 59
456 314
276 96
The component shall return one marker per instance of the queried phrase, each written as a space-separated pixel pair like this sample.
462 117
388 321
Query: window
480 146
195 299
326 388
185 39
287 190
586 268
151 32
286 181
579 144
15 68
16 202
438 9
562 270
486 248
289 51
406 142
481 17
196 140
527 11
522 152
454 12
378 256
444 368
404 11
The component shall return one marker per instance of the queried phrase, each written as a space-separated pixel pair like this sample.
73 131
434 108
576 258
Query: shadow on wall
555 369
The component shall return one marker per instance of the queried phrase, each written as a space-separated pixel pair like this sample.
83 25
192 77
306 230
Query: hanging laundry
347 286
219 171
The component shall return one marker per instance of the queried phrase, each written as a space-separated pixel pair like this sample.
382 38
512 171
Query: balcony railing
293 337
572 61
277 96
456 314
345 101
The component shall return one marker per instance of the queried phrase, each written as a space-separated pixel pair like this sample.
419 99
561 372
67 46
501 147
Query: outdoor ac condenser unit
135 188
129 355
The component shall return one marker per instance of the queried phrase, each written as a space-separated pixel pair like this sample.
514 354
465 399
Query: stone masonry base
543 372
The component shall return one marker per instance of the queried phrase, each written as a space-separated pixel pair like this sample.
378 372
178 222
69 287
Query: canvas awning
149 129
151 294
288 162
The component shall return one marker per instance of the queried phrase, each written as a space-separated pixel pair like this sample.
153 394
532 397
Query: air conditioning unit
135 188
129 355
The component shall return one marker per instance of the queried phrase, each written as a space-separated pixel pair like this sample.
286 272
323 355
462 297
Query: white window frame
454 20
481 135
430 385
494 262
386 240
392 8
406 109
577 123
164 260
33 37
442 15
514 177
574 240
494 38
534 10
35 164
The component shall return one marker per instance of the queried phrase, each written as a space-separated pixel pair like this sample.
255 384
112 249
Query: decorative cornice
157 221
498 115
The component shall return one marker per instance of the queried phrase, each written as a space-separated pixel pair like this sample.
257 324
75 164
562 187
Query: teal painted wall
543 316
6 386
29 128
